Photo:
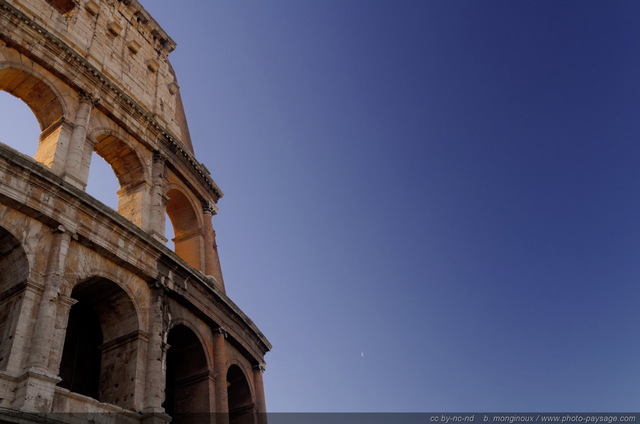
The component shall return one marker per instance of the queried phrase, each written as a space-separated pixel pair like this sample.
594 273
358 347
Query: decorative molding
92 7
222 331
114 28
159 283
88 97
133 46
159 157
210 208
153 65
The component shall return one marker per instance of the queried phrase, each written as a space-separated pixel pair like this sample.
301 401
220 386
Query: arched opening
46 107
39 96
128 169
168 232
187 385
101 347
186 229
19 128
102 183
241 405
14 269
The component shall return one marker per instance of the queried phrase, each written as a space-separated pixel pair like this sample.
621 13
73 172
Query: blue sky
429 205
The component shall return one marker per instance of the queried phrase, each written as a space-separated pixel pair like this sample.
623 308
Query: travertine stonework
97 315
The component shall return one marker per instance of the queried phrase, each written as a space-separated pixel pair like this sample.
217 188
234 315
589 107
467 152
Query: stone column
158 201
75 172
65 304
220 364
261 409
155 379
46 317
211 259
36 386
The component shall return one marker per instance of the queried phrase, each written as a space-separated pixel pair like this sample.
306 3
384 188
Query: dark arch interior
186 392
81 356
14 270
13 261
99 353
241 405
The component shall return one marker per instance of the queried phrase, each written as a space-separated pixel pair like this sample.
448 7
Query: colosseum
99 320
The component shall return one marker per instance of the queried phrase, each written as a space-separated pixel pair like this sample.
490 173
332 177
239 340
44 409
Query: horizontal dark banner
17 417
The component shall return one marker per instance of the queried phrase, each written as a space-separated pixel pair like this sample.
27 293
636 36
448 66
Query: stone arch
45 103
186 225
180 318
188 376
40 96
127 165
14 272
102 343
239 396
130 171
23 137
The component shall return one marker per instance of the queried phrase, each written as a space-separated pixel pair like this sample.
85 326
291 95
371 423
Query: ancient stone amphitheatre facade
97 315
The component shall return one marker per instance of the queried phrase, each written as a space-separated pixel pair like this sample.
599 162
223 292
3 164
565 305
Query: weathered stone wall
123 42
97 77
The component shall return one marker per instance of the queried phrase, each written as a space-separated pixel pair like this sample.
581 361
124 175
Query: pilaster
155 380
260 405
45 320
158 199
35 391
211 259
76 170
36 386
220 367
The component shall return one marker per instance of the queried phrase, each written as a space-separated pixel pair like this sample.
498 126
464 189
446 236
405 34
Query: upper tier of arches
72 129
